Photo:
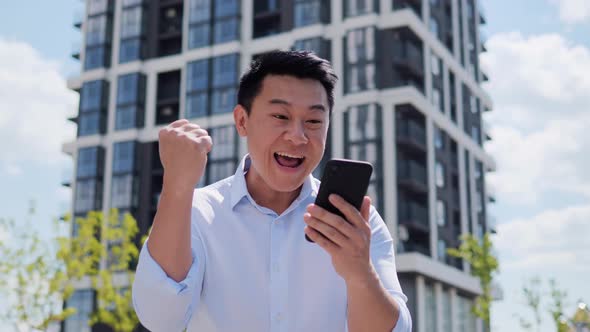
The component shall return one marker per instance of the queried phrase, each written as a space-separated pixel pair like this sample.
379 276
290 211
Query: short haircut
300 64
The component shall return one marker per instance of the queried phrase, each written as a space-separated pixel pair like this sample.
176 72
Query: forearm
170 239
370 307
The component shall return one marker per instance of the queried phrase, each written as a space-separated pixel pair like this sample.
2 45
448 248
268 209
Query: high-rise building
409 101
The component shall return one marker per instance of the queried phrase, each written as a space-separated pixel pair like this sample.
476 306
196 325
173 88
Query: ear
241 119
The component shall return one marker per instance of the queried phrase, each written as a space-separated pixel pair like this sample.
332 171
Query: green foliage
534 294
483 265
38 276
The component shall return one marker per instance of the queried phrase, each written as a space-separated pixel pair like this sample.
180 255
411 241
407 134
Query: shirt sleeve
162 304
383 259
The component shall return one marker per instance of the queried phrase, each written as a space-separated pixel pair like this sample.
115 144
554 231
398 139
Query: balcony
412 175
411 134
482 14
78 19
76 50
414 216
407 58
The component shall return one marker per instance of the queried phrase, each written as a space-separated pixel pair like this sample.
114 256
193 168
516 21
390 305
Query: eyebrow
316 107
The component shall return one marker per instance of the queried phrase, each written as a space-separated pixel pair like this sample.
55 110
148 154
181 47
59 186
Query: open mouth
288 160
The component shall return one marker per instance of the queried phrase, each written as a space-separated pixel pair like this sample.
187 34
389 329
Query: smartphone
347 178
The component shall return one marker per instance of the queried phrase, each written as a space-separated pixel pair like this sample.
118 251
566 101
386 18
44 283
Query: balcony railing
413 173
410 130
411 213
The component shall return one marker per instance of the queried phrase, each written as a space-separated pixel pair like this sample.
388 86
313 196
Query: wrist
177 186
364 280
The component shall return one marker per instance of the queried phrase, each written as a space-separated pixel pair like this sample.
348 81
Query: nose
296 133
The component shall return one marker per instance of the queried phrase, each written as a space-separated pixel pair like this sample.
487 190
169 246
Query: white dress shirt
254 271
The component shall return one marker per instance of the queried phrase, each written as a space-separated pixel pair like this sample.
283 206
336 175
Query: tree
39 276
534 294
532 297
483 264
556 309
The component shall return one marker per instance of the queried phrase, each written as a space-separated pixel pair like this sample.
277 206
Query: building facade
409 100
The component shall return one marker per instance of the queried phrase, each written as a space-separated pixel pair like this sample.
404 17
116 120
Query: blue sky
538 59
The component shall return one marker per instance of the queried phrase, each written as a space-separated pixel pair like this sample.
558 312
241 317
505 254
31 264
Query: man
233 256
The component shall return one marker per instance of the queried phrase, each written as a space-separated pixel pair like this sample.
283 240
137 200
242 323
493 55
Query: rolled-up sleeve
162 304
383 259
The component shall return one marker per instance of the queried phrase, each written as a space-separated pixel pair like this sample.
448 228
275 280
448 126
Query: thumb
366 208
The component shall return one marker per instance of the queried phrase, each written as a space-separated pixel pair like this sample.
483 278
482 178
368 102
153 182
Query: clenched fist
183 152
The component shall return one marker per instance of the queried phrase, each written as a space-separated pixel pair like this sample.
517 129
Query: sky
538 61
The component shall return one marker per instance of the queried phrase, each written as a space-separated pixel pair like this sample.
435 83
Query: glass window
360 55
226 30
224 8
131 22
307 12
435 65
433 26
197 104
199 35
442 250
362 123
225 140
84 200
96 30
91 96
89 123
127 89
441 213
130 50
473 104
224 100
123 157
358 7
440 175
430 304
97 6
199 11
83 301
225 70
438 138
128 3
475 134
126 117
95 57
447 315
436 98
309 44
87 162
123 191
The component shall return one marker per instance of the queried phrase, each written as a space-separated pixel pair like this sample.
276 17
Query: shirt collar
239 190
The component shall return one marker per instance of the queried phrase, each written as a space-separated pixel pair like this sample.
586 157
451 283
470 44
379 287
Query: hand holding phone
347 178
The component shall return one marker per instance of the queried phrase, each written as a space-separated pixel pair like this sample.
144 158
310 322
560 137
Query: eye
279 116
315 121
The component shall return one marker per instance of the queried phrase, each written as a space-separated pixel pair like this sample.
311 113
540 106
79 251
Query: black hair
300 64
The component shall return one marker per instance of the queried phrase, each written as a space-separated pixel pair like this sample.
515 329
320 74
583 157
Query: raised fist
183 152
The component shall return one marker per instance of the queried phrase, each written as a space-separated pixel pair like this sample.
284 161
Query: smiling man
233 257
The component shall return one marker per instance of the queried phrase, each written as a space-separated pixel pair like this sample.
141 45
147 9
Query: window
433 26
441 213
83 301
442 250
87 162
430 304
199 23
130 95
227 23
447 315
307 12
131 31
317 45
363 142
91 96
97 6
358 7
123 157
96 57
440 175
85 197
360 59
473 104
96 30
197 98
223 159
475 134
225 77
436 101
439 142
435 65
92 113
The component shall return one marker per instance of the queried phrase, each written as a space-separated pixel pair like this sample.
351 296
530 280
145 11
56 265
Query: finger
366 208
350 212
331 219
197 132
318 238
178 123
326 230
205 141
189 127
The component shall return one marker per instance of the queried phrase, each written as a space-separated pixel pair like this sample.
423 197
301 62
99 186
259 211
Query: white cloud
12 170
552 239
539 125
573 11
34 104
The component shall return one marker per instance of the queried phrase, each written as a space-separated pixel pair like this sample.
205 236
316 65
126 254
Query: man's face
286 130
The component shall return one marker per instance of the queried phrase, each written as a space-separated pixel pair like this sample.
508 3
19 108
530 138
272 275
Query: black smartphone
347 178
